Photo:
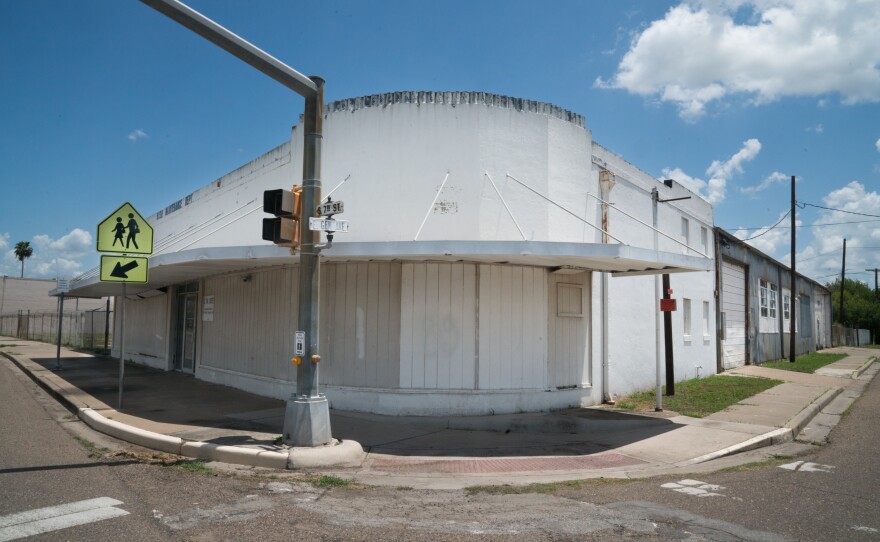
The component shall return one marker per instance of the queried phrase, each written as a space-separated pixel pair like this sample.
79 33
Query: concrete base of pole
307 421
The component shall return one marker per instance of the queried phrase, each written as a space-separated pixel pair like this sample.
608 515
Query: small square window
570 300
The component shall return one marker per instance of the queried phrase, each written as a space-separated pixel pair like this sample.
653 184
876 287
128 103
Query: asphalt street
828 493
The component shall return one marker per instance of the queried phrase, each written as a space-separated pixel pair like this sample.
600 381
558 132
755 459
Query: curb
141 437
770 438
806 415
858 372
345 453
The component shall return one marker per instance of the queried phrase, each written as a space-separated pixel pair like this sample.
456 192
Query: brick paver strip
506 464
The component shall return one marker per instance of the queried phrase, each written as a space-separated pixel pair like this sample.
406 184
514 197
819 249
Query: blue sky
104 102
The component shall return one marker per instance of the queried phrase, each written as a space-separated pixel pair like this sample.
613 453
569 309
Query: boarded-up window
570 300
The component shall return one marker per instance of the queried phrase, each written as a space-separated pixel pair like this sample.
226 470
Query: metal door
733 313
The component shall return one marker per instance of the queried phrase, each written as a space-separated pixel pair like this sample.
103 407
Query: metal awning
188 265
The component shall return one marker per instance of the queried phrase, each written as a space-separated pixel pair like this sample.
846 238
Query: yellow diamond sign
124 269
125 231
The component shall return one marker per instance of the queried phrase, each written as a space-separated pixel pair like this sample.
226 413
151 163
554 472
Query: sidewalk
177 413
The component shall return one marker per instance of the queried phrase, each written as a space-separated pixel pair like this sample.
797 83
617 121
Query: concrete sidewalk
177 413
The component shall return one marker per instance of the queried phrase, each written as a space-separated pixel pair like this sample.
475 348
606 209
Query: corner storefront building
499 260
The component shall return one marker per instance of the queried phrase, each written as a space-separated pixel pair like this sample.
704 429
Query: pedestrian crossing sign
126 232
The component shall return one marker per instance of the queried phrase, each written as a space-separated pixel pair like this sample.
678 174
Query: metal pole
667 328
658 361
107 328
122 346
307 417
792 296
58 347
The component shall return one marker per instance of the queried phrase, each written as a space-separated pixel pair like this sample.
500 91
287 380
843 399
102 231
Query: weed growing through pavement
769 462
547 488
190 465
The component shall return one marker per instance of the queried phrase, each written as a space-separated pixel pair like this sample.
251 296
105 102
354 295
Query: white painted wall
632 302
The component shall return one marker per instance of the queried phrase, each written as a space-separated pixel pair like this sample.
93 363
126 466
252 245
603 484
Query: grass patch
769 462
95 451
8 345
328 481
190 465
807 363
547 488
874 346
703 396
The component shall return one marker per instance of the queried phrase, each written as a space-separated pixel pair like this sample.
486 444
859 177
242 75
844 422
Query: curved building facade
498 260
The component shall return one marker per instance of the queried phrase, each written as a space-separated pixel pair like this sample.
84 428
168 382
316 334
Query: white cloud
702 52
823 257
877 145
819 128
137 134
770 241
715 189
771 179
52 258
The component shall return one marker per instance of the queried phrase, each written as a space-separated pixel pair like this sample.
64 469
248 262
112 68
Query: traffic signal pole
307 417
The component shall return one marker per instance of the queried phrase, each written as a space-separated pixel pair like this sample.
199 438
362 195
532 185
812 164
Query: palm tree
23 250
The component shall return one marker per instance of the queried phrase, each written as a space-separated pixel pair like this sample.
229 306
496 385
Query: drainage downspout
606 183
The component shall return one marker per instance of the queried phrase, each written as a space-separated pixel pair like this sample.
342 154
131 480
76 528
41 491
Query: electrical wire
770 228
805 225
838 210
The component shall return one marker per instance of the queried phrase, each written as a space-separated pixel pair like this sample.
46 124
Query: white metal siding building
475 277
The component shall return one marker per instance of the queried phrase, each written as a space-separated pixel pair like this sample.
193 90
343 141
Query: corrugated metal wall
254 319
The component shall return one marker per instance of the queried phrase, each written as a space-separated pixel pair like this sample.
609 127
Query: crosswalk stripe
53 518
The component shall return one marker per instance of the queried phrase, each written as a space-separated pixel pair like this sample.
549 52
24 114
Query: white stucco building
476 277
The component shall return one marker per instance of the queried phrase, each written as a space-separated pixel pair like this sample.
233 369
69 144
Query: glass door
185 350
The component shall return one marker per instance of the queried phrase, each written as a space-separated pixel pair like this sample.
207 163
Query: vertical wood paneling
513 327
372 326
569 345
468 326
361 325
431 289
407 304
441 317
391 367
418 317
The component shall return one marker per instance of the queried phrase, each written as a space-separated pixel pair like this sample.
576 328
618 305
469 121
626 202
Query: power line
838 210
807 225
770 228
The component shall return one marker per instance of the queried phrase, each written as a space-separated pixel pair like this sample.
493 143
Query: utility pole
792 296
307 417
842 280
876 291
876 298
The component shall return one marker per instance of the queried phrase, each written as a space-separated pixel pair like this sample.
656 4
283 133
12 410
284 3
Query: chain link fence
79 329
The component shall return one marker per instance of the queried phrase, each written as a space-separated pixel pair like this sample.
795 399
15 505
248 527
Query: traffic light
286 205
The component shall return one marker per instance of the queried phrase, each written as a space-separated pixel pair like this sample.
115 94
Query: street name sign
124 269
323 224
331 208
125 231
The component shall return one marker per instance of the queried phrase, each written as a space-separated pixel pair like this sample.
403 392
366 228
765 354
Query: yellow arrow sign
124 269
125 231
